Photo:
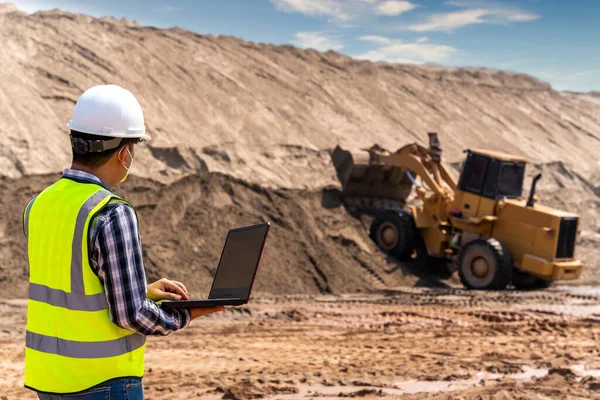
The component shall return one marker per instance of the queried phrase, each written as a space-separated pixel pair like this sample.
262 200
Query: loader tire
394 232
485 264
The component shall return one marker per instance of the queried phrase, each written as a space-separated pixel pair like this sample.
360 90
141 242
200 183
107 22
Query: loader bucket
362 175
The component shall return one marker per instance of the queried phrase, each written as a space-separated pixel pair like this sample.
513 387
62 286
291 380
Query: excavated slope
261 112
314 245
262 119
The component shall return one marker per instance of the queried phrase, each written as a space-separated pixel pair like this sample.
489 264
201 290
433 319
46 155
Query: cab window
473 176
511 180
491 180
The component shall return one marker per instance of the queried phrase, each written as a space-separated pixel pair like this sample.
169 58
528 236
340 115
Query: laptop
236 271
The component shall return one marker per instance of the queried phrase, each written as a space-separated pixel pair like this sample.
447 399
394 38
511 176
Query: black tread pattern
407 231
504 264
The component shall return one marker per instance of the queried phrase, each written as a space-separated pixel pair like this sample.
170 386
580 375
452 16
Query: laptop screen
238 262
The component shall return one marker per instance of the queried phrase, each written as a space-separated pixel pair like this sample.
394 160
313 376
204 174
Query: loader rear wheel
394 232
485 264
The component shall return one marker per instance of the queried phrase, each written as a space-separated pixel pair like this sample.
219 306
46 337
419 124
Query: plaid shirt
115 252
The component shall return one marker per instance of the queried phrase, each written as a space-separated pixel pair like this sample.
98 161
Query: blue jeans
119 389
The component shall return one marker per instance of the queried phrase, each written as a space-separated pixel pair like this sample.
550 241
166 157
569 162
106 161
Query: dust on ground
404 343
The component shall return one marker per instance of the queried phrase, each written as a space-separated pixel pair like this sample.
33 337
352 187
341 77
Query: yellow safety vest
71 343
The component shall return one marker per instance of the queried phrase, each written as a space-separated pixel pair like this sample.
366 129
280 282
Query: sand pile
314 246
261 112
242 133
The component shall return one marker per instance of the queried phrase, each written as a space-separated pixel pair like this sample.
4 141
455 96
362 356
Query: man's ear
122 154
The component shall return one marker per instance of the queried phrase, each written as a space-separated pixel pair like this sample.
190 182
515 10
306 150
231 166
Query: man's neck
97 172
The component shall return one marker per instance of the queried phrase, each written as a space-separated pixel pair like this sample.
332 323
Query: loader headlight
549 231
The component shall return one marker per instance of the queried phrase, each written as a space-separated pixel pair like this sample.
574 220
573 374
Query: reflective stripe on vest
71 342
26 218
71 301
71 348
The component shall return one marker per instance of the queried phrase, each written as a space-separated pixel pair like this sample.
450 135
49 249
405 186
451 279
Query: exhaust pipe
532 191
435 152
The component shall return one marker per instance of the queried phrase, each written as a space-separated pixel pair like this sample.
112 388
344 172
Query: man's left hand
166 289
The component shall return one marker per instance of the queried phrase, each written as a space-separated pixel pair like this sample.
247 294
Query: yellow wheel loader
481 224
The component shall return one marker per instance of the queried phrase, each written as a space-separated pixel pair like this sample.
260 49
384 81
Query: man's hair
95 160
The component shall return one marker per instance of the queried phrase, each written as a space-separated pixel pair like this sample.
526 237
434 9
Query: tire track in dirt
284 346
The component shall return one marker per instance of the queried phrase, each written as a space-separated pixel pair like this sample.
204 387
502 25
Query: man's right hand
165 289
198 312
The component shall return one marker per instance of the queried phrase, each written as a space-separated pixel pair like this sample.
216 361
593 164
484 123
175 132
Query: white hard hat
109 110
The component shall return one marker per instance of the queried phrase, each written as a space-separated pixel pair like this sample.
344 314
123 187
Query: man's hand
198 312
166 289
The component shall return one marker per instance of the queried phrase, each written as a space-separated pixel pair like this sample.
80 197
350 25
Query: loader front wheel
395 233
485 264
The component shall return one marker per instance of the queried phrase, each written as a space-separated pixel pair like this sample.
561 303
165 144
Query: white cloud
343 11
450 21
580 81
95 9
393 7
331 8
411 53
470 16
502 12
517 16
167 9
568 76
422 39
375 39
30 7
317 41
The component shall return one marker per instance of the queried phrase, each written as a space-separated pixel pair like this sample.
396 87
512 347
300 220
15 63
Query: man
89 309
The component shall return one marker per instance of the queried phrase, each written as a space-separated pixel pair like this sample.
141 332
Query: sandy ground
241 134
405 343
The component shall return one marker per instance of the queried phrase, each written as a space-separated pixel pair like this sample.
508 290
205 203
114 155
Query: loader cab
487 177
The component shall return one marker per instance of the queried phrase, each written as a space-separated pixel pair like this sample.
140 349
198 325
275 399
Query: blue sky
557 41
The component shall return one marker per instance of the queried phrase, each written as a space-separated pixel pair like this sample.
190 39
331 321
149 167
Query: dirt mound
261 112
315 246
262 119
311 248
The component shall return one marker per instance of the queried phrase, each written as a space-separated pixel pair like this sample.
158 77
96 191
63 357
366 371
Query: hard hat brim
133 134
